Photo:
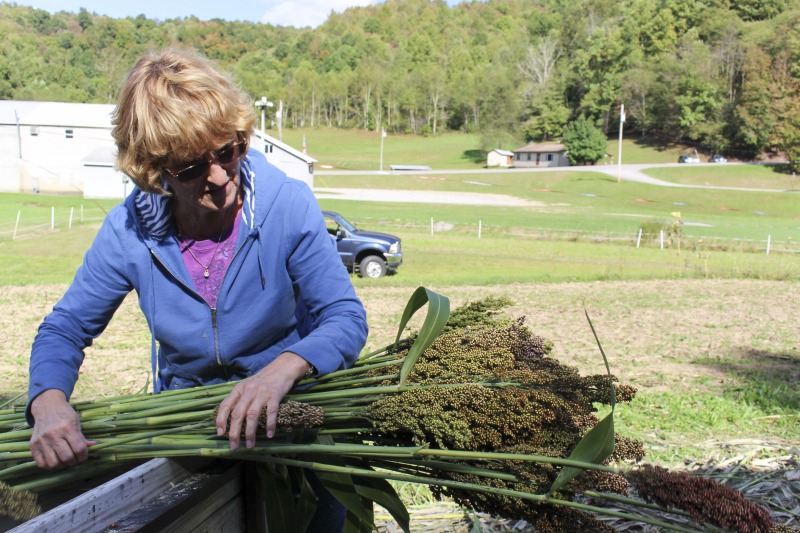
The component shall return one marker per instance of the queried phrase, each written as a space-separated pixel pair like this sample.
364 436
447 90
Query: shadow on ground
475 156
768 380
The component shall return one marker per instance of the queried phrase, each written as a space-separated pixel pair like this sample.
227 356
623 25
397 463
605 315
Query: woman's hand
56 440
248 397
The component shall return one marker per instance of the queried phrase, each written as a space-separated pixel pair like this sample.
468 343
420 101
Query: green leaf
435 319
598 444
342 486
595 447
381 492
307 501
343 489
278 498
476 523
353 524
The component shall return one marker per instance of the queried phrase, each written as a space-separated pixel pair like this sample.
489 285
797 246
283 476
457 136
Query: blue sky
280 12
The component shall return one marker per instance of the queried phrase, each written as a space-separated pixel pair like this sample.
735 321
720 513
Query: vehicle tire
372 266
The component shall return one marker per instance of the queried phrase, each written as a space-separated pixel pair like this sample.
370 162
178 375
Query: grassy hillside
360 149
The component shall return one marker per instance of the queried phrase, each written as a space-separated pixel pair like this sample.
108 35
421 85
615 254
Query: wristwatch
312 371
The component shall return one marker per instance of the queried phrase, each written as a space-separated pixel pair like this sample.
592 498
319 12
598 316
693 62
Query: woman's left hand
248 397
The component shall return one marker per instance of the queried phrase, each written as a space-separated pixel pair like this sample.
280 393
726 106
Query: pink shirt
213 254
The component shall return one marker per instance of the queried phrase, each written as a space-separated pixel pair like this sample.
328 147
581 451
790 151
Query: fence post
431 225
71 212
639 238
53 218
81 213
769 242
14 238
480 227
662 239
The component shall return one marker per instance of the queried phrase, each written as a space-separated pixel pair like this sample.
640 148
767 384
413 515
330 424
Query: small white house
295 163
67 148
500 158
541 155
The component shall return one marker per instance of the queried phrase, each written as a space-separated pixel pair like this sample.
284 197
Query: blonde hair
175 106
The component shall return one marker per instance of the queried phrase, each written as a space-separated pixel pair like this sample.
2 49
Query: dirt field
677 336
651 331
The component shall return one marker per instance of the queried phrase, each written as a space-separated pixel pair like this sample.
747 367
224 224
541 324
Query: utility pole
619 148
263 103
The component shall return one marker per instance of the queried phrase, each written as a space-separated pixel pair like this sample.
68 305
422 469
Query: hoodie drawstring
153 350
256 234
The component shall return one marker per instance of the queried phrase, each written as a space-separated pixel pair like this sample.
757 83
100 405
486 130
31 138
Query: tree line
723 75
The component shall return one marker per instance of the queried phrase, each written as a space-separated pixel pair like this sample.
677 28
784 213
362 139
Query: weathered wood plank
193 505
94 510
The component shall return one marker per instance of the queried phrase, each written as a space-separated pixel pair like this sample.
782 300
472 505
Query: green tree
758 9
584 141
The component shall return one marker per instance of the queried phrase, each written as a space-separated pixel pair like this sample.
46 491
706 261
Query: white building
500 158
541 155
66 148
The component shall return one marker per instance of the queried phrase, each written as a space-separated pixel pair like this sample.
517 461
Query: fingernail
220 432
250 444
234 446
270 434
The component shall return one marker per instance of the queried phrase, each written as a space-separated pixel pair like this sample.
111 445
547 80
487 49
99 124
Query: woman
231 261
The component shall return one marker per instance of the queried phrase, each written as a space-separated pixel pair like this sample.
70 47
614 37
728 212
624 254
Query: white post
639 238
480 226
16 226
279 116
769 242
383 136
662 239
619 148
71 212
431 225
53 217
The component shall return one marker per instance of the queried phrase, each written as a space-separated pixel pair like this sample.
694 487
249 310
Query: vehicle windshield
345 224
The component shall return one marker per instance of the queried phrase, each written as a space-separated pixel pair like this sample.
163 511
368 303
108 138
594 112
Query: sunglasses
201 168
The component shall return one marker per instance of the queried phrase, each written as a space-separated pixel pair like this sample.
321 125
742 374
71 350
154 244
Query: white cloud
306 12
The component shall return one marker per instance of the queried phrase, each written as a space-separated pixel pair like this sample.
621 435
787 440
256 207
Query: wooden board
161 495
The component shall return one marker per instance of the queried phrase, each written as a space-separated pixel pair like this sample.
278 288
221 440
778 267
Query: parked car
368 254
688 159
716 158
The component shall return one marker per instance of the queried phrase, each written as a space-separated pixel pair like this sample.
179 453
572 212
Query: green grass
361 150
586 201
585 229
729 175
53 257
429 260
674 427
636 151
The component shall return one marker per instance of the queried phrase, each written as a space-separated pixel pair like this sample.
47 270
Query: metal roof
503 152
57 114
540 148
283 146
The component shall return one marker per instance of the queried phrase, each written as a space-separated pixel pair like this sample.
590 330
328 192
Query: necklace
211 261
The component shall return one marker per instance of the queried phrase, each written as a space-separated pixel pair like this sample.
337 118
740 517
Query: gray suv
367 253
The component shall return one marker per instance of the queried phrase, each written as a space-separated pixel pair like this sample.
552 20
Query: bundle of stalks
477 410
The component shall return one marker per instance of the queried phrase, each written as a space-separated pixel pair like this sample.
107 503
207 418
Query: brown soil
658 335
674 336
681 335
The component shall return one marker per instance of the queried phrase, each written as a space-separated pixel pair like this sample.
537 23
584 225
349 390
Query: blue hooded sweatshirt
286 289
